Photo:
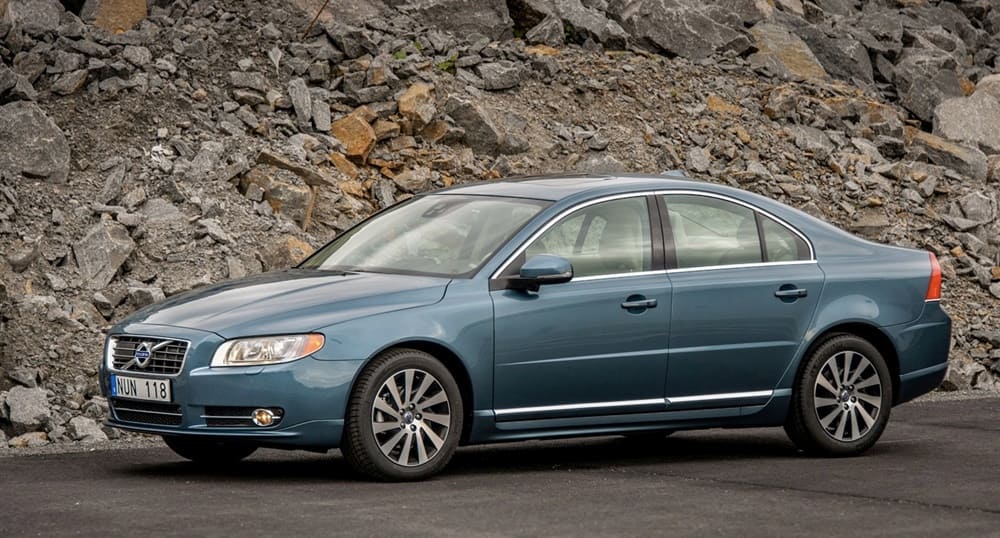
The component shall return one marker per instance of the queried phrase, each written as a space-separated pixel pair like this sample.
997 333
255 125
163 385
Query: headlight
267 350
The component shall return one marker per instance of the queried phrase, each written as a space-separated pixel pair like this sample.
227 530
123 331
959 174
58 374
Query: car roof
556 187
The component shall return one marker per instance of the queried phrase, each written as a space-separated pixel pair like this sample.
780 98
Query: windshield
437 235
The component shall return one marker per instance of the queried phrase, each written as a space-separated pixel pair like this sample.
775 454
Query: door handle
643 303
791 293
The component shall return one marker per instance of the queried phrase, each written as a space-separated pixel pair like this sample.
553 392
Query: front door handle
791 293
642 303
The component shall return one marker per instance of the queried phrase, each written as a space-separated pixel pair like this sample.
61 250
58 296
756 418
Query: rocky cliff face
147 149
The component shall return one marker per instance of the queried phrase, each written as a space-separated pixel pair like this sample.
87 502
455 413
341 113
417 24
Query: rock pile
151 149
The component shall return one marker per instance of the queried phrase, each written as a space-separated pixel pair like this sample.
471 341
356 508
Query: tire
207 451
840 404
389 435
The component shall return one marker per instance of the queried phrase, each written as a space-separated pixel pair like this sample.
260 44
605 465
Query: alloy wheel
847 396
411 417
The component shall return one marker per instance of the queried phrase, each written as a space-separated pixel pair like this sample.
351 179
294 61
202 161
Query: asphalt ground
936 472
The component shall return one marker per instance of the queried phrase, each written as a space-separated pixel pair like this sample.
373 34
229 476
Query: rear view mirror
542 269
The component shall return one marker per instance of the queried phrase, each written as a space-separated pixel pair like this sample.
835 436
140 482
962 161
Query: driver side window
607 238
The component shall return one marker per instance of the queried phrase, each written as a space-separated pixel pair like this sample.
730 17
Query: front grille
237 417
160 414
166 356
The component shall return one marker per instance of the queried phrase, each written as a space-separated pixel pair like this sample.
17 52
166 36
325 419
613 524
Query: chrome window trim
619 275
793 229
721 396
573 407
635 403
556 219
738 266
109 356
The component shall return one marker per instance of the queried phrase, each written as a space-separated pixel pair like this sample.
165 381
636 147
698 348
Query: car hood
292 301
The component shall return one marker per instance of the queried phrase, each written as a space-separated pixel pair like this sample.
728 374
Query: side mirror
542 269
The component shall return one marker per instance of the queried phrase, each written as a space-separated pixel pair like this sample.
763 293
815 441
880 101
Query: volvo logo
143 354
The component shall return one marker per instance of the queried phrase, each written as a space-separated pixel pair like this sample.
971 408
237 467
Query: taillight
934 286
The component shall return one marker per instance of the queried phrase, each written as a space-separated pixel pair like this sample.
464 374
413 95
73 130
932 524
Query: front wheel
404 418
841 404
206 451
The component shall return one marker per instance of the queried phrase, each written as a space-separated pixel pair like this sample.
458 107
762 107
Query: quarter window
709 231
603 239
781 244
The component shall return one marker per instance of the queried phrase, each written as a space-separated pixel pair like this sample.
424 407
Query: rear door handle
644 303
795 292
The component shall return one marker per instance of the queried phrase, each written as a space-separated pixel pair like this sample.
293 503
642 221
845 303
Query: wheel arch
450 359
867 331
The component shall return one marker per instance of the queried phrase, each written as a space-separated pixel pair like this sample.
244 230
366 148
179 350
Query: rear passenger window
709 231
781 244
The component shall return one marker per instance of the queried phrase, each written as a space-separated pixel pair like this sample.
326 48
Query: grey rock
600 163
549 32
250 80
463 17
35 17
869 221
137 55
141 296
698 159
978 207
298 92
499 76
86 430
583 21
34 147
114 180
416 179
686 28
812 140
20 256
995 289
101 252
924 78
27 409
321 115
958 157
70 83
485 132
27 377
989 84
158 211
973 120
212 228
353 41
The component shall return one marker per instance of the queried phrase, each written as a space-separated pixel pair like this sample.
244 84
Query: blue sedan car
539 308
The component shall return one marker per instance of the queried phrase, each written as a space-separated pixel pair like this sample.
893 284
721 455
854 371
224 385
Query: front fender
461 322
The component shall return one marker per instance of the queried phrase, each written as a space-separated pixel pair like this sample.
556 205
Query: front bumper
311 393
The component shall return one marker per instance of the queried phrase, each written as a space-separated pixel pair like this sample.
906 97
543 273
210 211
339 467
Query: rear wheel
404 418
208 451
841 404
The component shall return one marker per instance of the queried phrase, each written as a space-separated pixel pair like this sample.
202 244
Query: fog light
263 417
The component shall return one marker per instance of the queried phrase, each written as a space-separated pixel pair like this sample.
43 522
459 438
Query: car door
745 287
597 344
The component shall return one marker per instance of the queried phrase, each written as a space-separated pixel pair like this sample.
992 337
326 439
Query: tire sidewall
402 360
810 420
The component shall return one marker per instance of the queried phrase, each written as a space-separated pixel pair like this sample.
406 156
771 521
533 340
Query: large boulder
924 78
486 131
27 409
35 17
581 20
784 54
463 17
101 252
973 120
962 159
685 28
33 145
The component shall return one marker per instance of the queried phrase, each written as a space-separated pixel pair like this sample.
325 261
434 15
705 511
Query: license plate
137 388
